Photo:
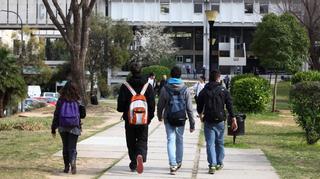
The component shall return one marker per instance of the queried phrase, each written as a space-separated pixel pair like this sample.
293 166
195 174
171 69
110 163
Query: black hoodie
203 98
136 82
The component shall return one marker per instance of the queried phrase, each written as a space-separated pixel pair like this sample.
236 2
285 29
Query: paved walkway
239 163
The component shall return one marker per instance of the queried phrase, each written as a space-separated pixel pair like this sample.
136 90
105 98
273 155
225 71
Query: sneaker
173 170
179 166
133 166
139 164
219 167
212 170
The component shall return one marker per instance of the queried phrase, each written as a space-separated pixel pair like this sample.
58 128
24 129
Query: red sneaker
139 164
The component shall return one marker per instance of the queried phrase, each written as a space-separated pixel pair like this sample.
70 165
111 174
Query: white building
233 28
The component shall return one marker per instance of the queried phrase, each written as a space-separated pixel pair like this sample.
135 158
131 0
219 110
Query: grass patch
283 95
27 145
284 144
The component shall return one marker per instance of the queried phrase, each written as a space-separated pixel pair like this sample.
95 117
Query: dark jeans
69 150
137 141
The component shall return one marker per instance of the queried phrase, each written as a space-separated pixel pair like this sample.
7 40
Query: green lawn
28 153
283 96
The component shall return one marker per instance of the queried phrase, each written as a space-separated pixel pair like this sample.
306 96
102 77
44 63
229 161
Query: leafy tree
12 84
57 50
108 46
152 44
281 43
74 28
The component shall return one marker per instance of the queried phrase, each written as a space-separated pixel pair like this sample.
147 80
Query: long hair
70 92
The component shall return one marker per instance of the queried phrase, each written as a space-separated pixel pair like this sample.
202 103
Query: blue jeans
174 144
214 134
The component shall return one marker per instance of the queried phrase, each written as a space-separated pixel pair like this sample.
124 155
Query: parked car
32 103
48 100
51 94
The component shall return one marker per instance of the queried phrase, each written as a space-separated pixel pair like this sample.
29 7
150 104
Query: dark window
107 12
215 7
197 8
264 8
248 8
224 38
183 39
224 53
179 59
199 39
164 8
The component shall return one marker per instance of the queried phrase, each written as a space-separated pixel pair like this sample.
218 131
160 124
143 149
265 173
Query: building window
215 7
224 38
164 8
248 8
223 53
107 9
197 8
179 59
264 8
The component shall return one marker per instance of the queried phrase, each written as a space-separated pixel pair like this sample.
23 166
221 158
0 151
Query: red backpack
138 109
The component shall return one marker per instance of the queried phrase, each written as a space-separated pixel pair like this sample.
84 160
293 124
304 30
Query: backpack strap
130 88
144 89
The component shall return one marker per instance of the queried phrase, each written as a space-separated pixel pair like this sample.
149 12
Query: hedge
239 77
158 70
251 94
305 103
305 76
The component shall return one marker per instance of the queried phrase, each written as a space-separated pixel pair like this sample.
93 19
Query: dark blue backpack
69 114
176 114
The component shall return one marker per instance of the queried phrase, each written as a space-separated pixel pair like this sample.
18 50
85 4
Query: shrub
251 94
103 87
305 76
305 102
239 77
158 70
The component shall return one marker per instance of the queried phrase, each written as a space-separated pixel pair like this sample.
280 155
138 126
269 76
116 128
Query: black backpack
214 105
176 113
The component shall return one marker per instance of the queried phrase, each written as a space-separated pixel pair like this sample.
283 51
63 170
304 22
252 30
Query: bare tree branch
60 12
57 23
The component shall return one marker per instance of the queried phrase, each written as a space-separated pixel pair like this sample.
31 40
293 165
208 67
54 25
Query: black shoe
212 170
133 166
73 167
219 167
66 169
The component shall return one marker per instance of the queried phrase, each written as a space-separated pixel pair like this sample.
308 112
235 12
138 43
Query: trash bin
241 126
94 100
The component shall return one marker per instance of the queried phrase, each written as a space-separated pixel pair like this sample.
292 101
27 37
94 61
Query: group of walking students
136 101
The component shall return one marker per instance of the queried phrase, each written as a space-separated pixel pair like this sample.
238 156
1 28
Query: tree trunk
78 75
274 100
1 106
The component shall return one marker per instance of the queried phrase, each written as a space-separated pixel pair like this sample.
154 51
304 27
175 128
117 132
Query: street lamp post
211 16
21 27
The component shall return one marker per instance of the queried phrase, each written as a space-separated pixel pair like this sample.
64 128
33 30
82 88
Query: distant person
188 69
197 88
163 82
67 118
137 102
211 103
152 80
194 73
203 70
226 81
175 104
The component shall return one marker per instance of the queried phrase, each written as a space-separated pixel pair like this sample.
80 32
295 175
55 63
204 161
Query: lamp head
211 15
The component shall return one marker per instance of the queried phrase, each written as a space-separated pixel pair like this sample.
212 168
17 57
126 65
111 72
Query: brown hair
69 92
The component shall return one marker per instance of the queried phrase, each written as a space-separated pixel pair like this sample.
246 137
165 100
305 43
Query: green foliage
103 87
168 62
239 77
251 94
158 70
12 84
281 42
305 76
305 100
57 50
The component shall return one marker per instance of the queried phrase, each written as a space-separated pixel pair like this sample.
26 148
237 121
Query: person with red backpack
175 106
67 118
136 101
211 103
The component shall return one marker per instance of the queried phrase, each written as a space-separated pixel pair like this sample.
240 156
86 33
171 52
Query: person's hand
234 124
191 130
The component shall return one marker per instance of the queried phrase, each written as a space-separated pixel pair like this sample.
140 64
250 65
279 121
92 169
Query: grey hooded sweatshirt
164 99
